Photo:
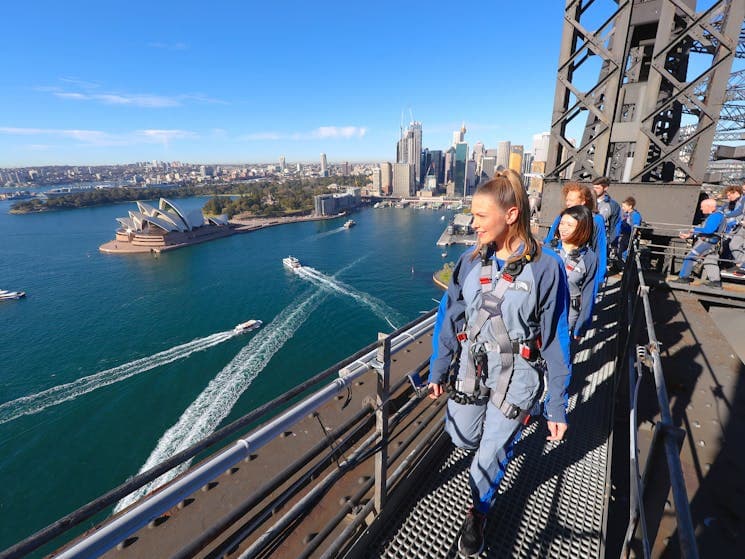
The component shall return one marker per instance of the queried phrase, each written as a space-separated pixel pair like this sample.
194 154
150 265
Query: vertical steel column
381 419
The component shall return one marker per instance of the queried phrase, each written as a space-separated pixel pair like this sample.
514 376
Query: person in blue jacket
580 264
630 218
576 194
607 207
706 246
735 206
505 307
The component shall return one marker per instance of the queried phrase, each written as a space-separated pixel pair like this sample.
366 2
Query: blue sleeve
552 230
450 319
553 305
619 224
600 248
636 219
711 225
589 291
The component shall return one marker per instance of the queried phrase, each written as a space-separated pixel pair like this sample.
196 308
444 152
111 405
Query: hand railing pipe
383 382
83 513
686 532
318 490
214 531
349 505
333 550
141 514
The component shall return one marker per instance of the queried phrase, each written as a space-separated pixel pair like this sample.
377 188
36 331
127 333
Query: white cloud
320 133
148 101
100 138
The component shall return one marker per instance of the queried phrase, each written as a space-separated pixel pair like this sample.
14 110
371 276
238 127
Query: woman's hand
556 431
435 390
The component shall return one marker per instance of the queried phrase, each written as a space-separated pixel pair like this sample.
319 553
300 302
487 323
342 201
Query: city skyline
252 83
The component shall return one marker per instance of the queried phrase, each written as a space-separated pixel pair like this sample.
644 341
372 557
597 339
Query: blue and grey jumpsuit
625 225
581 266
706 247
598 243
735 230
534 307
610 211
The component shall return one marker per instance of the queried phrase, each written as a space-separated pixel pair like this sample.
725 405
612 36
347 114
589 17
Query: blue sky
225 81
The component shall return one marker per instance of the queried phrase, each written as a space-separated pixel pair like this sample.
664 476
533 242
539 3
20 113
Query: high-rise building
540 146
470 177
527 162
346 169
324 166
459 171
376 182
459 135
403 180
478 155
488 166
449 164
516 158
436 166
503 155
282 163
386 178
409 148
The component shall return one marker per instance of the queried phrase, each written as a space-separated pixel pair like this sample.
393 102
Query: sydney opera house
163 228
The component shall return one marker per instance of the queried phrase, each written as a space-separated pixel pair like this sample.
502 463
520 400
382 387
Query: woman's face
567 226
489 220
733 195
574 198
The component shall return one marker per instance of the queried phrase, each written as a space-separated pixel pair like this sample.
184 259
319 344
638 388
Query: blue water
88 313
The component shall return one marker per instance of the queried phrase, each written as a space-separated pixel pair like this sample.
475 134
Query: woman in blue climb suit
506 302
580 263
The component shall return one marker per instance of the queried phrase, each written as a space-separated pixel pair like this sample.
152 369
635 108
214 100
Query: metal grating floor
551 499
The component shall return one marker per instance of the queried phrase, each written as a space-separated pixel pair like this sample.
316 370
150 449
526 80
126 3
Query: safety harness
715 237
472 389
575 265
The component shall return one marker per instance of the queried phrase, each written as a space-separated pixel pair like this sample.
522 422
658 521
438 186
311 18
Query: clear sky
228 81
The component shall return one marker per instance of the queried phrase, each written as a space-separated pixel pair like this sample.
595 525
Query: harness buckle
485 280
507 277
526 352
461 337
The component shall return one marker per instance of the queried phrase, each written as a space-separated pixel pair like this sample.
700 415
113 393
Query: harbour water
113 362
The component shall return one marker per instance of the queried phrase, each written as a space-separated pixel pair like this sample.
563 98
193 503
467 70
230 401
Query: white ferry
7 295
350 223
247 326
291 263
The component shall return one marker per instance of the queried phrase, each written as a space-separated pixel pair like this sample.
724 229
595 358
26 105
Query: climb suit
609 209
625 225
533 307
706 247
598 243
581 266
735 231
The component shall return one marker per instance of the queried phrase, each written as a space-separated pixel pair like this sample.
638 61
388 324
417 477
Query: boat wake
35 403
378 307
331 232
213 405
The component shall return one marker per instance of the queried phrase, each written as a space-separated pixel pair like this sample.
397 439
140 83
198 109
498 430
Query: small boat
6 295
350 223
292 263
442 218
247 326
444 254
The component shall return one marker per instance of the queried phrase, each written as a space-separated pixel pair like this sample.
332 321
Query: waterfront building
376 180
386 178
335 203
503 155
164 227
403 180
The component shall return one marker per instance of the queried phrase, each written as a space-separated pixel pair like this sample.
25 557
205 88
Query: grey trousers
485 429
737 245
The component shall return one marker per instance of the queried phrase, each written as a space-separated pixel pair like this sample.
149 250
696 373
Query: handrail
634 361
155 505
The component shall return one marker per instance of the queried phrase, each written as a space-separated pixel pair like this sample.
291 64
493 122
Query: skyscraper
409 148
324 166
459 172
540 146
376 182
436 166
503 155
478 155
470 177
282 163
403 180
386 178
516 158
459 135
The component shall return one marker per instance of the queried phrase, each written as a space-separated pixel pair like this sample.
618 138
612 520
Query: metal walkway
552 499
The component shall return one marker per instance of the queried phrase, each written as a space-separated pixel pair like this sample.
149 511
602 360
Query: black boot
471 541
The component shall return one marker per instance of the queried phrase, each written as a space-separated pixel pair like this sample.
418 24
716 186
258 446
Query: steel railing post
381 419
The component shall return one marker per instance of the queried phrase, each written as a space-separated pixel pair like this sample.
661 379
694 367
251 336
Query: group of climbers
720 238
